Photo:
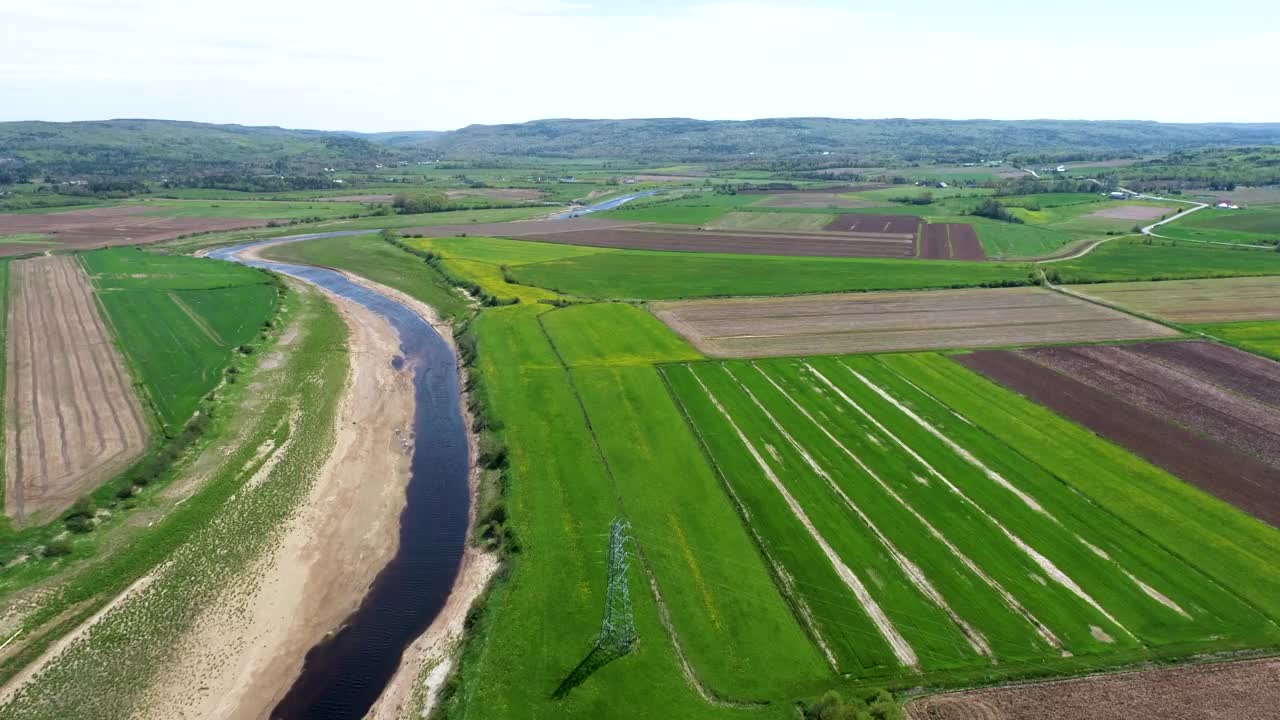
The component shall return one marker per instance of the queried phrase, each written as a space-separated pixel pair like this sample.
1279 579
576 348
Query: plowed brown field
868 223
892 321
950 241
1247 690
107 226
1206 413
1195 301
71 416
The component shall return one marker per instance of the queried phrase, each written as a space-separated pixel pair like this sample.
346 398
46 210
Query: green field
695 209
372 257
1138 258
1261 337
638 274
613 334
541 620
1258 225
934 510
28 239
178 320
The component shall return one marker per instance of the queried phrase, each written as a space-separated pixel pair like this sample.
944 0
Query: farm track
73 416
1187 452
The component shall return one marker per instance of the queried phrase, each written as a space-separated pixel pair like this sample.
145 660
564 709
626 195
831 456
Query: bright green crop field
639 274
613 334
1140 258
178 320
1261 337
933 522
1248 226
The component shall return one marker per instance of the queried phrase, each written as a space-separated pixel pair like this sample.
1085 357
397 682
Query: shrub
57 548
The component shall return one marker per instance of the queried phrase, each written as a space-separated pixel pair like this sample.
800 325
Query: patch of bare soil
508 194
250 646
1195 301
890 321
1245 690
72 418
99 227
1130 212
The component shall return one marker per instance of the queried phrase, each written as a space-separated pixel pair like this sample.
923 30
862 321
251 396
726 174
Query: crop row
918 541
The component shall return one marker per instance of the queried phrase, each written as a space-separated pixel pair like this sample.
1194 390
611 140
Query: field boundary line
901 649
1091 500
1012 602
691 676
199 321
781 579
914 573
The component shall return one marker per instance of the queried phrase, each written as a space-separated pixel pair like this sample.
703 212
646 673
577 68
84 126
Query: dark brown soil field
893 321
771 243
71 416
950 241
859 223
78 229
1174 422
1246 690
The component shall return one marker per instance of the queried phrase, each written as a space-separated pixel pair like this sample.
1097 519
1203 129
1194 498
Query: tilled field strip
72 416
1167 406
1195 301
970 551
1247 690
109 226
879 322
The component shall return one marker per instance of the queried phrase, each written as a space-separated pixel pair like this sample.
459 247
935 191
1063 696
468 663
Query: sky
383 65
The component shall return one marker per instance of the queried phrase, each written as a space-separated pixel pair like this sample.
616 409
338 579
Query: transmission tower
618 629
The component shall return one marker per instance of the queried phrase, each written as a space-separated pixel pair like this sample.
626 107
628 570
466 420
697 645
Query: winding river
343 676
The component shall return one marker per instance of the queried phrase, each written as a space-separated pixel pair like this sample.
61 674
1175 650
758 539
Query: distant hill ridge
143 146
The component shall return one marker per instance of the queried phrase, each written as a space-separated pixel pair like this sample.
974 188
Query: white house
1226 205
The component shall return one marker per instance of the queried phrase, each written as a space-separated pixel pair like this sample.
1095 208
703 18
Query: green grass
642 274
1215 539
1258 225
372 257
202 544
772 221
805 420
613 334
540 621
1261 337
738 632
499 251
1155 259
28 239
177 320
696 209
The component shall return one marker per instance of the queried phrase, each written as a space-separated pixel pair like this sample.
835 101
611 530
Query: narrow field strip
912 571
902 650
1046 565
1003 482
1010 601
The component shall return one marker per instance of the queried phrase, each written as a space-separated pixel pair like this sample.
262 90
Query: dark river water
344 675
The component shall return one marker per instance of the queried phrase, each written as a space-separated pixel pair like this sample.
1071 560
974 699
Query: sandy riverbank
250 647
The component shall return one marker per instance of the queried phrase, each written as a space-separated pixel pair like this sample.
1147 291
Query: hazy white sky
430 64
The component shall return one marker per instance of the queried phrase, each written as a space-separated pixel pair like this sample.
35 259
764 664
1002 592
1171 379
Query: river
343 676
602 206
